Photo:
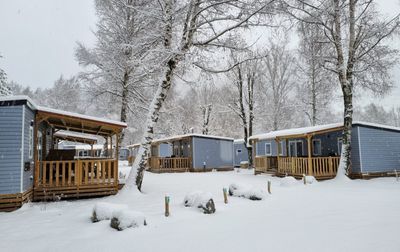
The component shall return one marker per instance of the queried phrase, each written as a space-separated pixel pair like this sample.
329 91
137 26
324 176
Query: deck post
278 141
309 151
36 152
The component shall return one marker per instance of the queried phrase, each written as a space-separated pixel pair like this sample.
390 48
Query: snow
104 210
306 130
289 181
310 180
238 141
65 133
61 112
197 199
128 218
246 191
166 139
359 215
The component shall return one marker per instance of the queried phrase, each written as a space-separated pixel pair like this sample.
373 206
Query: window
339 146
238 151
30 142
268 151
281 148
316 146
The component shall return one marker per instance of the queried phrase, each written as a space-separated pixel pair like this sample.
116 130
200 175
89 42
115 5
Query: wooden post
116 179
167 199
224 190
111 147
330 164
279 147
309 151
304 179
36 173
269 186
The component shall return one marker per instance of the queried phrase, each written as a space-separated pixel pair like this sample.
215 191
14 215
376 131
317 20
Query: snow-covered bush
310 179
122 219
246 191
289 181
104 210
200 200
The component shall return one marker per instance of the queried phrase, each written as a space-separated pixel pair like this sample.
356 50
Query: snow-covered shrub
200 200
289 181
122 219
246 191
104 210
310 179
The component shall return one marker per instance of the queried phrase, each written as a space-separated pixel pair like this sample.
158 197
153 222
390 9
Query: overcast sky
38 37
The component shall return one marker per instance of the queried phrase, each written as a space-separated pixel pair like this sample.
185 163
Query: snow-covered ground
327 216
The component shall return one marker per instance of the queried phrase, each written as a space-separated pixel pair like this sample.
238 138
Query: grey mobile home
32 166
375 150
191 152
240 152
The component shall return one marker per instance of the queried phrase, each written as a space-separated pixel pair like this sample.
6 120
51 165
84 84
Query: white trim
270 149
22 149
281 145
339 139
193 159
320 147
359 148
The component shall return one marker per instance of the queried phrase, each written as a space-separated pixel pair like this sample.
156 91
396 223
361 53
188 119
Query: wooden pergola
74 177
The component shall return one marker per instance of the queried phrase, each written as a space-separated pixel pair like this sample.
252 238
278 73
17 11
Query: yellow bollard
225 195
167 206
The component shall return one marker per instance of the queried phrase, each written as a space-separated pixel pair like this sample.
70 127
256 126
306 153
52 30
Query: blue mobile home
240 152
32 166
191 152
375 150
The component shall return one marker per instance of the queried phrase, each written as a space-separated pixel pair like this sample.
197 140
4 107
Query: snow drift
104 210
123 219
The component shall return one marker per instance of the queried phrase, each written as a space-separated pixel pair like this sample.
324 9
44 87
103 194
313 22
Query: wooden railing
297 166
77 173
161 163
264 164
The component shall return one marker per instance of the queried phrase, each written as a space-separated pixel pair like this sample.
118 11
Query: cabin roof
71 121
298 132
133 145
238 140
178 137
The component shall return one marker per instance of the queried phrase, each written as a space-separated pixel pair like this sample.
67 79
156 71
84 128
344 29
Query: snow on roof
376 125
295 131
238 141
60 112
65 133
311 129
82 146
192 135
133 145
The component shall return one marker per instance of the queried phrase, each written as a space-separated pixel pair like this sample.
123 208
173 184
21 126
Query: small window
281 147
238 150
30 142
316 147
268 151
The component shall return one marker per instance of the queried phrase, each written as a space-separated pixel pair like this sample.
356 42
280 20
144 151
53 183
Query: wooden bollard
167 206
225 195
269 186
304 179
397 175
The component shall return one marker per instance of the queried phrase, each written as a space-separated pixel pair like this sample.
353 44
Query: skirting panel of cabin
58 193
11 202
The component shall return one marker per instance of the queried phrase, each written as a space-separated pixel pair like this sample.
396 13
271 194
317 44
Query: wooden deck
321 167
11 202
161 164
75 179
264 164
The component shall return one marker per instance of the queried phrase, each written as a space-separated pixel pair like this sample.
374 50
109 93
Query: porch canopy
75 137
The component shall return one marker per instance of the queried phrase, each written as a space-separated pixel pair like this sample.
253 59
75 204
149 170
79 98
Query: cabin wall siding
240 156
28 175
10 149
260 147
380 149
355 150
216 153
329 143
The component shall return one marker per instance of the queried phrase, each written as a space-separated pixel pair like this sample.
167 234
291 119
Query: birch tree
315 82
358 53
4 89
190 26
116 66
